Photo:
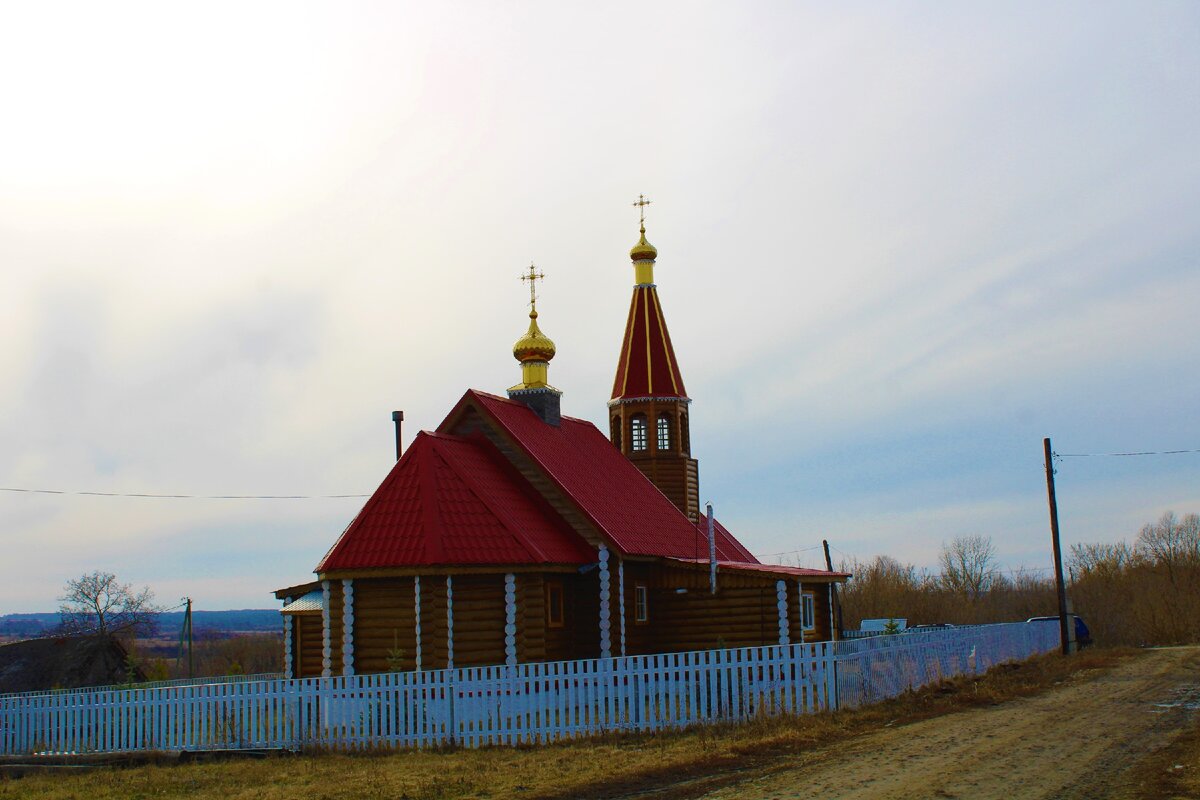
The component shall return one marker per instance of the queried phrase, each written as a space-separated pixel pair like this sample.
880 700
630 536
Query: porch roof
771 569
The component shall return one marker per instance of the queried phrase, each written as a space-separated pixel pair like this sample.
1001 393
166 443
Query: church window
554 604
664 432
637 432
641 604
616 432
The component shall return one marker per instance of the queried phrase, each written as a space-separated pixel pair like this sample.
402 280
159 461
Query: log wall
335 627
531 617
306 648
383 621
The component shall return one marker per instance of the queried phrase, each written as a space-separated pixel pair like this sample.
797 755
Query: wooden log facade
556 617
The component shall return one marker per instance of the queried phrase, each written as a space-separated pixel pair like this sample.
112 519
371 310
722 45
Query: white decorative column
510 619
326 644
621 600
449 622
417 617
605 613
832 621
287 641
347 626
800 606
781 604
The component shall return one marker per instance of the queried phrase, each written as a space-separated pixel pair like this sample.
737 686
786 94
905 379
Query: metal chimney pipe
397 418
712 552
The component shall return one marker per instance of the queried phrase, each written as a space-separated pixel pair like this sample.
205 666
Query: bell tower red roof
647 366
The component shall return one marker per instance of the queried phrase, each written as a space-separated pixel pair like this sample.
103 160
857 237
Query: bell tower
648 412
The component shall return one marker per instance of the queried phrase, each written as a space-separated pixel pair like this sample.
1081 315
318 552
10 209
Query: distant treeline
168 623
1139 593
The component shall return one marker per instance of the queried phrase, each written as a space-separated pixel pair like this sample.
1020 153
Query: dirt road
1081 740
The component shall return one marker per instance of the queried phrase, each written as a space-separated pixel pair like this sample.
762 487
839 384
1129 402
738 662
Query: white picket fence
526 703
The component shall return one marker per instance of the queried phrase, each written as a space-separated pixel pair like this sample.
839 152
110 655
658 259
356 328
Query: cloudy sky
898 245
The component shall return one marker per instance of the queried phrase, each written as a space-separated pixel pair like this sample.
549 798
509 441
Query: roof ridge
503 517
430 511
511 402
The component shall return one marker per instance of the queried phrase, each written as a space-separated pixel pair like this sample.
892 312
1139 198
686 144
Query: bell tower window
637 432
664 432
616 432
685 438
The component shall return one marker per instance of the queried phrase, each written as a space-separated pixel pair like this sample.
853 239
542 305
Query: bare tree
99 604
968 565
1100 559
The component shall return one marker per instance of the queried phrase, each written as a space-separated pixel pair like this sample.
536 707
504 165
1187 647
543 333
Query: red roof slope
454 500
606 486
647 366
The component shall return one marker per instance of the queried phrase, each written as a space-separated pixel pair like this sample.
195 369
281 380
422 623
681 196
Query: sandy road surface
1076 741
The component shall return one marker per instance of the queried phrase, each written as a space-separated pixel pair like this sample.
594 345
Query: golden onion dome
534 345
643 250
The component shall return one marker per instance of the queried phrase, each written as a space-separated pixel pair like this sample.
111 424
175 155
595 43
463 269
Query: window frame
808 611
641 604
639 433
662 431
616 431
551 606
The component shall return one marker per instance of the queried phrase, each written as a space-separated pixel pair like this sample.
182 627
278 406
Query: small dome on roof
534 345
643 250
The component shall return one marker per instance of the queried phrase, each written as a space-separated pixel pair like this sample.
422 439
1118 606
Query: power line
787 552
185 496
1105 455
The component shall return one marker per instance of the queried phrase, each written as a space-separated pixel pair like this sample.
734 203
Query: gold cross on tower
641 204
533 276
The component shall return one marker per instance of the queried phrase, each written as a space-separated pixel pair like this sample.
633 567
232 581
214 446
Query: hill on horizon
169 623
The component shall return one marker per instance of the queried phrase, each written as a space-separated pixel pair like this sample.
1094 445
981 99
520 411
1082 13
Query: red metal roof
454 500
622 502
647 366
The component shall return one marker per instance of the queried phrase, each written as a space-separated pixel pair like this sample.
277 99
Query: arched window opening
616 432
664 432
637 432
685 438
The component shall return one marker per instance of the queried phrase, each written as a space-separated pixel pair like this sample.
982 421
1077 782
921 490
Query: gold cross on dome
641 204
533 276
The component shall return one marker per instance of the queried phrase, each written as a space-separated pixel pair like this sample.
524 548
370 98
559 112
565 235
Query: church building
512 533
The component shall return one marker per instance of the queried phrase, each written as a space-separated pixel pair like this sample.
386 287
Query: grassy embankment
701 758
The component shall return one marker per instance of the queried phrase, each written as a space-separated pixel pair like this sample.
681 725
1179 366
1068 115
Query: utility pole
837 602
187 622
1058 567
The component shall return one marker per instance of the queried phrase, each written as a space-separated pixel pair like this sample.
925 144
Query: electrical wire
185 496
787 552
1106 455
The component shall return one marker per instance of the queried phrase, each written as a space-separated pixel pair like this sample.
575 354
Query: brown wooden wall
478 620
384 615
742 613
335 627
531 618
306 644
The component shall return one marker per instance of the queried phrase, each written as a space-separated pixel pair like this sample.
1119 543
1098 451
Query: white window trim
808 611
641 610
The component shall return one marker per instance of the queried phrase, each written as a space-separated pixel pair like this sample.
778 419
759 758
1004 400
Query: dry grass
607 767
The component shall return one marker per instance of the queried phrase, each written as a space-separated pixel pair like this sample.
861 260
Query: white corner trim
510 619
326 634
347 626
605 612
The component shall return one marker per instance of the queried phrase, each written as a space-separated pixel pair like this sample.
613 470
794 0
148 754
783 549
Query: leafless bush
1147 592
